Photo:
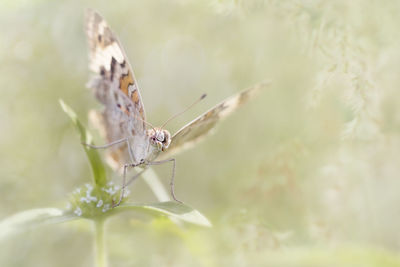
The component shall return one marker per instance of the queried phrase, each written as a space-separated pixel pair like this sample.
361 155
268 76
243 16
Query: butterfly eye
160 137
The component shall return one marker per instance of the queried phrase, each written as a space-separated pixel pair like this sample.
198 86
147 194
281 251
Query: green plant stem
101 257
152 180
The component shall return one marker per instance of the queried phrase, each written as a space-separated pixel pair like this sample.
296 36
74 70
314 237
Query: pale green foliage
94 202
305 175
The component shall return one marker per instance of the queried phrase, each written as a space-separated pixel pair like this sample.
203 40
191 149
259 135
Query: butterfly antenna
183 111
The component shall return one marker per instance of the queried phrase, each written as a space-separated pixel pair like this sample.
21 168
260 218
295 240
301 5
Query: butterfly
134 142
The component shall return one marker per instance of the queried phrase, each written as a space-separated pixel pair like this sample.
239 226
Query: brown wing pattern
197 129
114 77
114 85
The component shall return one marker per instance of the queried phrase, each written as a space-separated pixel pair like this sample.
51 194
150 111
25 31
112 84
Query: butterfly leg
129 182
107 145
172 182
124 184
135 176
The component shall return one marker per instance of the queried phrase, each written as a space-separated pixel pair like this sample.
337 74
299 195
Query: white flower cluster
111 189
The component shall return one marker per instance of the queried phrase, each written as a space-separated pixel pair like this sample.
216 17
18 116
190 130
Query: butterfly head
159 138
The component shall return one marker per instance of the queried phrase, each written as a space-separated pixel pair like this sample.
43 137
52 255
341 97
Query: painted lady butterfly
123 120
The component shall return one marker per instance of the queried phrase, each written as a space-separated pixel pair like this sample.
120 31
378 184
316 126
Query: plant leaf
169 208
29 219
98 168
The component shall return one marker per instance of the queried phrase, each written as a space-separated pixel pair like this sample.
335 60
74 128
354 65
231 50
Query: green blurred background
306 174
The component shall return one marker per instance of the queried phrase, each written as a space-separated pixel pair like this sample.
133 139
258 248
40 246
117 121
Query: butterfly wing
200 127
114 84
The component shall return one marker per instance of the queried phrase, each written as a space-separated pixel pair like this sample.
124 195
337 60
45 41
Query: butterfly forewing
200 127
114 75
114 85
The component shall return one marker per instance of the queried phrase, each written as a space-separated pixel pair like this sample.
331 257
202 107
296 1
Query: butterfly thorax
146 148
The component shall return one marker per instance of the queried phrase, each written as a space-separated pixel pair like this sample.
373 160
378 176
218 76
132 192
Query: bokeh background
306 174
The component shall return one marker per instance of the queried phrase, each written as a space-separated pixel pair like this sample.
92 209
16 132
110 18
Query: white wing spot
230 106
113 50
101 27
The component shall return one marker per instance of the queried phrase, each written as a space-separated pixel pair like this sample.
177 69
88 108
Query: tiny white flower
127 192
111 191
106 207
91 198
100 203
89 187
84 199
78 211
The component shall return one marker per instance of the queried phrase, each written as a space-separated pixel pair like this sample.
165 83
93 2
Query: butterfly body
153 143
143 148
143 151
